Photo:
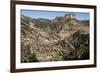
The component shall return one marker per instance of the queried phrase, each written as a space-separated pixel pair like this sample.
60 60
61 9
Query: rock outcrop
64 38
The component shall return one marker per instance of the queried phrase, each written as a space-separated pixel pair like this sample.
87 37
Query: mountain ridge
54 40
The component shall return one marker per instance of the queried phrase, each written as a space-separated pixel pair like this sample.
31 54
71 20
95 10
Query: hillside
63 38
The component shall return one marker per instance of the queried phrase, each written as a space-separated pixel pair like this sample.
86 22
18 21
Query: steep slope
64 38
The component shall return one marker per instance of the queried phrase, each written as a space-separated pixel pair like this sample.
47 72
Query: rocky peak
70 16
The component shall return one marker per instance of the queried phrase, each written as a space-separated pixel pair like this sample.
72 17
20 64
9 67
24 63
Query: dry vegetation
64 38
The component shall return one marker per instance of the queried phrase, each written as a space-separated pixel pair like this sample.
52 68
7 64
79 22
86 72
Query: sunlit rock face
70 16
60 39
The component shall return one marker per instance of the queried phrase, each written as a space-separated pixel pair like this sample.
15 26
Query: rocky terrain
60 39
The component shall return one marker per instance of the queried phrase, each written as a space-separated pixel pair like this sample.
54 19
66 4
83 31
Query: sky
52 14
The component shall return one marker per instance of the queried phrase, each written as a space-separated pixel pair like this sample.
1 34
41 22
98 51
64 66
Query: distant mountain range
63 38
55 24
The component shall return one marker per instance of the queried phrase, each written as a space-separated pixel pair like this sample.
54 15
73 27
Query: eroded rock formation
64 38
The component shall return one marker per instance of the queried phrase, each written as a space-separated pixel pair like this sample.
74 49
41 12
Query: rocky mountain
63 38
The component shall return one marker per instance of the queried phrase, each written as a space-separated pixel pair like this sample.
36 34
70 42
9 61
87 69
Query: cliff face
64 38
